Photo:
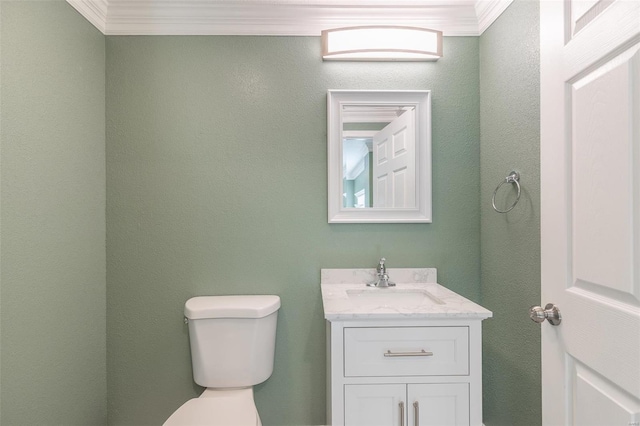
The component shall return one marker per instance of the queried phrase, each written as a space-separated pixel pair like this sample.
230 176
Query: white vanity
409 355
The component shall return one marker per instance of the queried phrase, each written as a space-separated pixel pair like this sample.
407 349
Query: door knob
550 312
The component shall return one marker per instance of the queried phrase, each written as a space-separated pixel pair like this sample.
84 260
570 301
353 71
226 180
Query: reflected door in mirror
394 163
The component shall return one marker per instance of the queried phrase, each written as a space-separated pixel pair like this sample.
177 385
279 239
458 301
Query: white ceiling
284 17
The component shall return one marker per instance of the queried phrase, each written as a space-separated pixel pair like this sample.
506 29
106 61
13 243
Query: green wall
217 184
364 181
347 187
192 123
510 243
52 187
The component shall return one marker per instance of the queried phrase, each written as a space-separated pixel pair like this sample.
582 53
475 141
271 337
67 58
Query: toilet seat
219 408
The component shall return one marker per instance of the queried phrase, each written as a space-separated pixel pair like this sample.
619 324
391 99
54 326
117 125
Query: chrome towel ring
514 177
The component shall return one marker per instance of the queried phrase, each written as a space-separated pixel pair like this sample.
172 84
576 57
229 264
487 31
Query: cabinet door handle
416 414
401 405
422 352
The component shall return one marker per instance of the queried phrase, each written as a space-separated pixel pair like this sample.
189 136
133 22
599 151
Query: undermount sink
416 295
392 297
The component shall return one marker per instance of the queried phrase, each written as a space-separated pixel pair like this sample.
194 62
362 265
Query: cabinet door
374 405
438 404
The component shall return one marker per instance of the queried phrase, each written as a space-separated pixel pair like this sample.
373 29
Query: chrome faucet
383 277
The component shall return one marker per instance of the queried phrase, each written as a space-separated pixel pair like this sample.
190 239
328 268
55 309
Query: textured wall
510 122
216 184
53 216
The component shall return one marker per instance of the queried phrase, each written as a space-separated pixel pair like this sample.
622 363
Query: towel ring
513 177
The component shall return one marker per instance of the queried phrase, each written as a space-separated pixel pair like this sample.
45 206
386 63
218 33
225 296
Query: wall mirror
379 153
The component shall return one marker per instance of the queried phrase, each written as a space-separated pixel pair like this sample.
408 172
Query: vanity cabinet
410 355
422 372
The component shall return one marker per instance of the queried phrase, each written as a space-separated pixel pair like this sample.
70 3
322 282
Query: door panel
374 405
394 163
604 222
603 162
590 160
439 404
598 402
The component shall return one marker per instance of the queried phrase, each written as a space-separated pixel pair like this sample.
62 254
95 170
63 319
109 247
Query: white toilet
233 341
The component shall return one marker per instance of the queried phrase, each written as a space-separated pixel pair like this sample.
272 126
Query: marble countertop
342 289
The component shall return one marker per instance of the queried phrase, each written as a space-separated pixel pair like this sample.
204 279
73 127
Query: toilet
233 341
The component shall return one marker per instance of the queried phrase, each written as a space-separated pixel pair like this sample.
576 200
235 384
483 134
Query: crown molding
284 17
215 18
488 11
95 11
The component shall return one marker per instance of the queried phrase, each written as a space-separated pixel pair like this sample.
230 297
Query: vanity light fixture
381 43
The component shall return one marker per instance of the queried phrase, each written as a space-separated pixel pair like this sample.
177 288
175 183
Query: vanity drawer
398 351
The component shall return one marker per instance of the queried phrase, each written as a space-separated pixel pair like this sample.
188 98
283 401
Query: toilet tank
232 338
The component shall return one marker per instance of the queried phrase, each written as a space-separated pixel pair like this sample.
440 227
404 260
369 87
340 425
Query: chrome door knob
550 312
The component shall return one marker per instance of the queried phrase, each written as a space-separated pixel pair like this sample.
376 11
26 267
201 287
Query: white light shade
381 43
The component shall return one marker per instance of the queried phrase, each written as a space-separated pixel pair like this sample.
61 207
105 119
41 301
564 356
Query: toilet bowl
232 342
218 408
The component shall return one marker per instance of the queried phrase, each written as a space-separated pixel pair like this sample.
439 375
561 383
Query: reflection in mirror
379 156
378 143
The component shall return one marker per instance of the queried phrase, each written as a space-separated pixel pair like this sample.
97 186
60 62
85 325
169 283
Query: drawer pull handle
416 414
421 353
401 413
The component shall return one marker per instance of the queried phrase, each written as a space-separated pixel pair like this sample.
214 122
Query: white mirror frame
421 99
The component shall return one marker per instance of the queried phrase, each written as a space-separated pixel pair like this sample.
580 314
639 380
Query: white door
590 211
438 404
374 405
394 163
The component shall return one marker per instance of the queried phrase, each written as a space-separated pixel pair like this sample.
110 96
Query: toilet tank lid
246 306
